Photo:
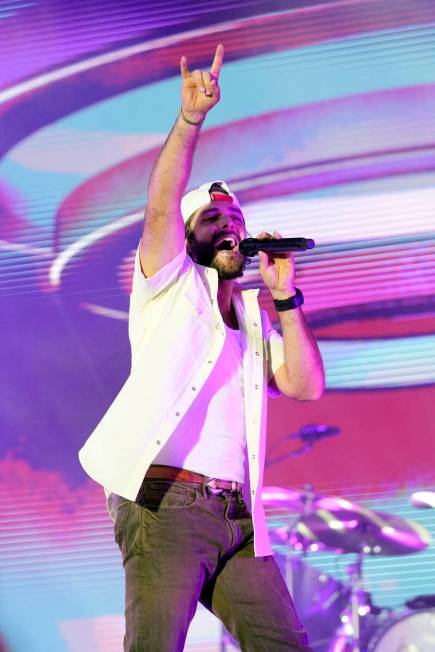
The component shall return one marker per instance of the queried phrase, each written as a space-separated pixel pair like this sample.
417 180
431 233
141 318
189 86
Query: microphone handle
251 246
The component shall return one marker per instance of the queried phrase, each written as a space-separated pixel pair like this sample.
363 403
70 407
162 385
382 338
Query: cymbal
335 523
423 499
295 501
359 531
303 501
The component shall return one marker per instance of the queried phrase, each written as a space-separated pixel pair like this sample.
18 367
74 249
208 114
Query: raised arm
163 231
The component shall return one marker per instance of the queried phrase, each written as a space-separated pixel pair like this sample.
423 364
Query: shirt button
253 492
256 353
255 386
253 457
193 389
209 361
158 442
177 414
255 323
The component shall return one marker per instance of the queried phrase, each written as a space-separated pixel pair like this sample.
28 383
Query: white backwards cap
208 192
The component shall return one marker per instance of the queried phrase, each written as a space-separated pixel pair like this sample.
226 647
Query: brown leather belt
160 472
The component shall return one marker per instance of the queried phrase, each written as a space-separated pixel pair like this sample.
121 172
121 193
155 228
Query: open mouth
226 243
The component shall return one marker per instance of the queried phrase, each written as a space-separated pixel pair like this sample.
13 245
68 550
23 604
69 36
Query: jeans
180 545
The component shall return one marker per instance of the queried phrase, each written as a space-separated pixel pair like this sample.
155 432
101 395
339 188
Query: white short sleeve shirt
177 333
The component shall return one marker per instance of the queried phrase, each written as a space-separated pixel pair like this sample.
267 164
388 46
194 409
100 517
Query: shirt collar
245 301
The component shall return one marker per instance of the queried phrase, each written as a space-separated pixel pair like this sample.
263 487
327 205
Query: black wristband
292 302
189 122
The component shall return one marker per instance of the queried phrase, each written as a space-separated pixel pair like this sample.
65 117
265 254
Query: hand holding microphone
277 265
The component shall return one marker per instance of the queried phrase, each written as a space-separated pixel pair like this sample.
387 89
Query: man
171 450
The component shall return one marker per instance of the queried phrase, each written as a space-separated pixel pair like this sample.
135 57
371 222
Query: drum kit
340 617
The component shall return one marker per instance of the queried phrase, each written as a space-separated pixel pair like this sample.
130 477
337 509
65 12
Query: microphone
308 436
312 433
251 246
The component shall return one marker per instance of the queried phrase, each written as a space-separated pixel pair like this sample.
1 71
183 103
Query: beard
228 264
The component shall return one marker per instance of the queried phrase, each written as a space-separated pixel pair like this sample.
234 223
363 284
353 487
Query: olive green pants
182 545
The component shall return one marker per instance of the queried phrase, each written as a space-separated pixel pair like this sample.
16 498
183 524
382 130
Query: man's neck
224 296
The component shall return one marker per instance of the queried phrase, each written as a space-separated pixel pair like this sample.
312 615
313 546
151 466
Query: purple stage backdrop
325 130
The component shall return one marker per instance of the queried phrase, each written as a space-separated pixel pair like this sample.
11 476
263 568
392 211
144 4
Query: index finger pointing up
217 61
184 67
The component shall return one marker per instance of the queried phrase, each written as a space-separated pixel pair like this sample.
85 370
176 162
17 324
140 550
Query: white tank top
211 438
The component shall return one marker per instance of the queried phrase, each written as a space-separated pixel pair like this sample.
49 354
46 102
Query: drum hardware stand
354 572
358 600
308 498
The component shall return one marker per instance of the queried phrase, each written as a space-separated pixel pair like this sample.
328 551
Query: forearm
301 376
305 378
199 94
163 235
172 170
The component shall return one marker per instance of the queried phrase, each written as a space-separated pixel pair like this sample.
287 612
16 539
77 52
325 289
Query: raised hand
200 88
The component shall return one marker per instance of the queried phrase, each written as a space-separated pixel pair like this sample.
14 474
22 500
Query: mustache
191 239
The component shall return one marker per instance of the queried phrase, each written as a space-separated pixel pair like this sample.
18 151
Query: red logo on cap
221 196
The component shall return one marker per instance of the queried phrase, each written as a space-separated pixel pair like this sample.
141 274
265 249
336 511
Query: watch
292 302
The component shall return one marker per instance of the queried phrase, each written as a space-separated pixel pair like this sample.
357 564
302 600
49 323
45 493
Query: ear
188 238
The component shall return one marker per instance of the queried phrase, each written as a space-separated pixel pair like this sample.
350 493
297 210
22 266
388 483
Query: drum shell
412 630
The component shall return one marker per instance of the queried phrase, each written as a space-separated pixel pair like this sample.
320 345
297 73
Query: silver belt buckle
211 485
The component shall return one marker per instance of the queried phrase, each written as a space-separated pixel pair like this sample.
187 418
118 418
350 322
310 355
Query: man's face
213 238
